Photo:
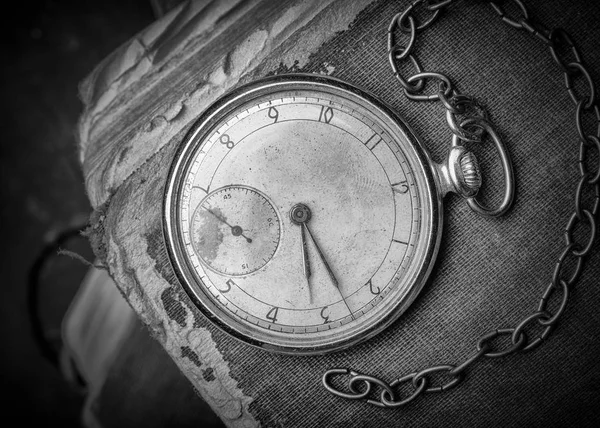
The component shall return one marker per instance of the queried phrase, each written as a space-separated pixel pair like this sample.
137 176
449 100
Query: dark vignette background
48 47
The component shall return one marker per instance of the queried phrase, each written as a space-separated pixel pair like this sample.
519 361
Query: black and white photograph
300 213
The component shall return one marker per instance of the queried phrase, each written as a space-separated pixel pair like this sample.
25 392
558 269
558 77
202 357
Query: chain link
518 24
583 158
572 257
418 390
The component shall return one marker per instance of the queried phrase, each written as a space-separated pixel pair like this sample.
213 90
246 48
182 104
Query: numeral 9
273 114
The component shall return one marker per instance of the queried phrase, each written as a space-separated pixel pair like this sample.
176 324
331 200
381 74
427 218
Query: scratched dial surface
301 216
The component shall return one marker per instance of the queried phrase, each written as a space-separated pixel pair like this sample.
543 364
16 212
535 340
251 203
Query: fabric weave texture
490 273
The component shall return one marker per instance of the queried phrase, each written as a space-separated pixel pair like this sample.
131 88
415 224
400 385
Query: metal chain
572 258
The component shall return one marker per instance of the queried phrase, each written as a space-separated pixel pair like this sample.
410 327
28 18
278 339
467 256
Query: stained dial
235 230
303 217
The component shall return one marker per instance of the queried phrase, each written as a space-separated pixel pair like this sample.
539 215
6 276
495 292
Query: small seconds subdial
235 230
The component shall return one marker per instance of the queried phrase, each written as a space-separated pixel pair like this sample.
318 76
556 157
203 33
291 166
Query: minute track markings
247 315
392 168
297 309
383 168
239 142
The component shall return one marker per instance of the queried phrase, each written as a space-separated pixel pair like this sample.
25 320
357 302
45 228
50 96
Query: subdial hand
235 230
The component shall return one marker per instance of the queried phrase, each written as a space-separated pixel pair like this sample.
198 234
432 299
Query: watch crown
470 171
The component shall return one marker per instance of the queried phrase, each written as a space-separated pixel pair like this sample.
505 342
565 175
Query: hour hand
305 260
323 259
327 267
300 215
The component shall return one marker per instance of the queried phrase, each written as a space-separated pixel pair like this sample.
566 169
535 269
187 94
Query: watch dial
301 216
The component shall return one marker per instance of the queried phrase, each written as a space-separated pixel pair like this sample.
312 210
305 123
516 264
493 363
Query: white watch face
301 215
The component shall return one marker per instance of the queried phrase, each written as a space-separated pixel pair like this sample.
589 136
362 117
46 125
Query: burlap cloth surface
490 273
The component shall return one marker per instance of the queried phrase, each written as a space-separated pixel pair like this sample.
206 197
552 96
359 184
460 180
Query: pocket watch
302 215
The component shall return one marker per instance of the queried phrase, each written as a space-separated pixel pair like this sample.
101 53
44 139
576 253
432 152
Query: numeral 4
272 314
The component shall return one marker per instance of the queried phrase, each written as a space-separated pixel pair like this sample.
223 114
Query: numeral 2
325 317
372 289
272 314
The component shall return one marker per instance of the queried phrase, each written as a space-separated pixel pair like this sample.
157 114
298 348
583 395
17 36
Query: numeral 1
373 141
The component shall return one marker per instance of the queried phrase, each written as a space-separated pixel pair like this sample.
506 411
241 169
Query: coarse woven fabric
490 273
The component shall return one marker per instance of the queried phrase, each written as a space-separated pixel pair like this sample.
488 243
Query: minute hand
329 271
